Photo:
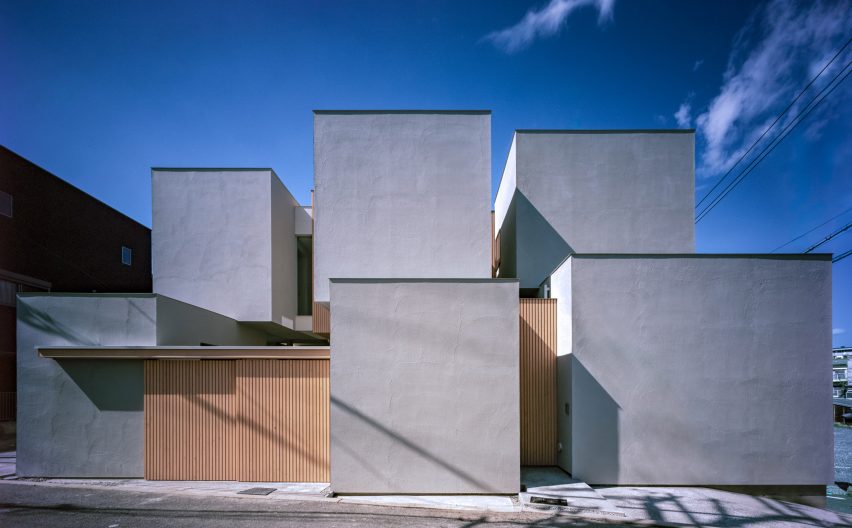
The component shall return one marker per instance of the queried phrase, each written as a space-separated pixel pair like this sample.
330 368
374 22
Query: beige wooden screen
539 436
250 420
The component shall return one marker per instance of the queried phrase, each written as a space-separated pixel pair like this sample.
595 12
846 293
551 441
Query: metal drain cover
256 491
548 500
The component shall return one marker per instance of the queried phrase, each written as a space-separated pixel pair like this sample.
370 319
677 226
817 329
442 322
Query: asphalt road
33 505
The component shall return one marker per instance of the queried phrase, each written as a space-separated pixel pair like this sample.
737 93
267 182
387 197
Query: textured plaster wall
401 195
701 370
182 324
81 418
506 188
424 386
284 255
304 221
560 289
84 418
588 192
224 240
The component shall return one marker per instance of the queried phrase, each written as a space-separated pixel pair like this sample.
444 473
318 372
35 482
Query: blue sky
99 92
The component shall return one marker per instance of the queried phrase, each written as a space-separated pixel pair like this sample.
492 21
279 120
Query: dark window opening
305 275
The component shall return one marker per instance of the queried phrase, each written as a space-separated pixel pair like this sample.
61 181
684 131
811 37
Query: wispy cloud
683 116
545 22
837 331
781 46
697 64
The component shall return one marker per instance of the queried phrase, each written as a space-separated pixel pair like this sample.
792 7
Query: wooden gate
254 420
539 436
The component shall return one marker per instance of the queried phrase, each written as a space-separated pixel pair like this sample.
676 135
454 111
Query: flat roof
212 169
72 186
606 131
767 256
185 352
459 112
412 280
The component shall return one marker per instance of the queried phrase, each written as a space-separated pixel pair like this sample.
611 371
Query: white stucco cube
224 240
401 194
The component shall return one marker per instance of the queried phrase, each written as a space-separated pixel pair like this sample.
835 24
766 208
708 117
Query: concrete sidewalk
549 492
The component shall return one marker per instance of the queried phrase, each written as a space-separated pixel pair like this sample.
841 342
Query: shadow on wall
43 322
594 426
540 248
111 385
202 396
708 507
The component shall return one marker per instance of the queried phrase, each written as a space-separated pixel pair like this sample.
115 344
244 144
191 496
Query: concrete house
397 336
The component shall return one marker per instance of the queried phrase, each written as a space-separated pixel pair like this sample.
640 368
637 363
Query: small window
126 256
6 204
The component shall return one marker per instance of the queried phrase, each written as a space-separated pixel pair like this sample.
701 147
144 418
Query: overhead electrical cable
789 106
811 230
829 237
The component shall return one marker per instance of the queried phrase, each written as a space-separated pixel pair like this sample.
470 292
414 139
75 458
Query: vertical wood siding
191 413
249 420
539 436
321 319
493 254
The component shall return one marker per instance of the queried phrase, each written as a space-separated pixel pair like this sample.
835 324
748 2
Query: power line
829 237
841 256
777 140
812 230
813 103
805 89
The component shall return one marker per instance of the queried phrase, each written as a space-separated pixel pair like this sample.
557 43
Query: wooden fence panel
255 420
539 435
321 319
285 410
191 413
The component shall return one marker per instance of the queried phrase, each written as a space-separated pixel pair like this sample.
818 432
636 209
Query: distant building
56 238
841 361
434 375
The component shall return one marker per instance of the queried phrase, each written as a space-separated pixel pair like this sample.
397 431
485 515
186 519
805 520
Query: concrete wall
701 370
508 184
401 195
84 418
304 221
81 418
424 386
596 192
224 240
182 324
284 255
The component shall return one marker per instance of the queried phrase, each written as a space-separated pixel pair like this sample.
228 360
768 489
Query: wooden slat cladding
191 413
248 420
284 420
495 247
539 436
321 319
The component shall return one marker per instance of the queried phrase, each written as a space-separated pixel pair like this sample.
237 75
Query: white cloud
783 45
837 331
545 22
683 116
697 64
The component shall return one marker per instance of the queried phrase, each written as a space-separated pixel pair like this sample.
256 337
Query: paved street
31 505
